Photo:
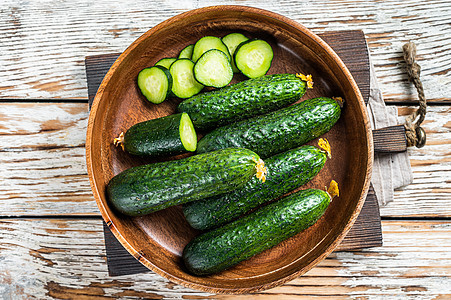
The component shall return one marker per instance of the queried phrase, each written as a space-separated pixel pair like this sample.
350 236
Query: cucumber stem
339 100
307 78
324 144
333 190
261 169
119 141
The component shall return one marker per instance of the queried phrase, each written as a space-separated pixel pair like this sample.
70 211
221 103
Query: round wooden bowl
157 240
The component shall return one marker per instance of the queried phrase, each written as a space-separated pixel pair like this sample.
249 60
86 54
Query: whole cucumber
276 131
243 100
226 246
286 172
144 189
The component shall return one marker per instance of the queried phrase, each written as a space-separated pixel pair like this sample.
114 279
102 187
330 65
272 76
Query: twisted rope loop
415 134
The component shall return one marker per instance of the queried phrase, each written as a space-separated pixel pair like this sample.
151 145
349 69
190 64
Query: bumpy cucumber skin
155 137
226 246
144 189
286 172
276 131
243 100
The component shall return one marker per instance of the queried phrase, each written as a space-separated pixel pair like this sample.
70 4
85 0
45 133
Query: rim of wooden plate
123 240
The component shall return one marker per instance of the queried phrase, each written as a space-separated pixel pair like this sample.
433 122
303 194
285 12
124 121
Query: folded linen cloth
390 170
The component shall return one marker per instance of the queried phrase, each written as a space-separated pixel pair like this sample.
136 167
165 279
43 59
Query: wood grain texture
366 231
68 32
42 156
65 259
58 183
42 50
429 195
390 139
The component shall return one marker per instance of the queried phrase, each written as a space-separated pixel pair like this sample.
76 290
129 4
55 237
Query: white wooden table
51 236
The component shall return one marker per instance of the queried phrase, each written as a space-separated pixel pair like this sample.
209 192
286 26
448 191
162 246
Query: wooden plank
366 231
119 260
351 47
43 159
44 170
96 68
65 259
390 139
43 47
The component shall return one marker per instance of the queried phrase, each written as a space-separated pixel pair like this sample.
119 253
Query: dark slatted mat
366 231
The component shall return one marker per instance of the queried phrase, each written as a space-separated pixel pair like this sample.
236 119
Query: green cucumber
166 62
226 246
148 188
213 69
253 58
207 43
276 131
232 41
187 52
184 84
155 83
243 100
286 172
170 135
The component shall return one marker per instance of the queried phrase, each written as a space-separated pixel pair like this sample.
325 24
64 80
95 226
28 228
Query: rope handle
416 136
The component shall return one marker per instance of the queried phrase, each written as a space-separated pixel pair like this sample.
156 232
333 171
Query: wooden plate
157 240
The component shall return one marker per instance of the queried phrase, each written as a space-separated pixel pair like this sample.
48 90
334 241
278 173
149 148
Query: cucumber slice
155 83
166 62
253 58
187 52
207 43
213 69
187 133
232 41
184 84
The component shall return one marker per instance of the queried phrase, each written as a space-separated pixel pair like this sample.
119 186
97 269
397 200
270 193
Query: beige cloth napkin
390 170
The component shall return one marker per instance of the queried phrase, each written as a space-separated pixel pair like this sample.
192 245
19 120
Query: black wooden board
366 231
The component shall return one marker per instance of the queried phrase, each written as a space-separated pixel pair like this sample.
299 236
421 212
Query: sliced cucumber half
253 58
184 84
187 133
232 41
207 43
213 69
155 83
